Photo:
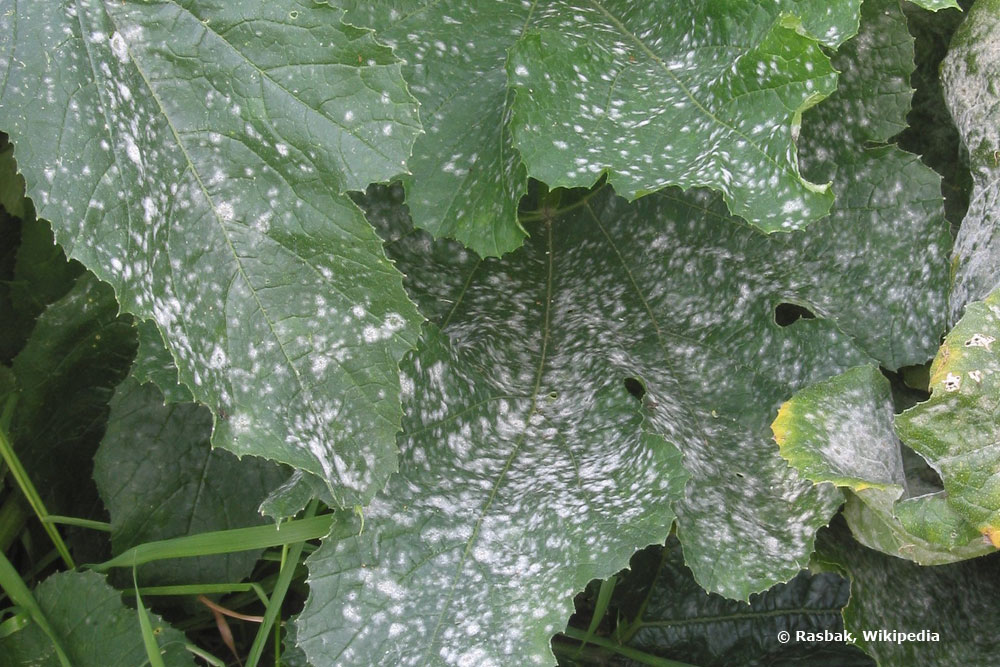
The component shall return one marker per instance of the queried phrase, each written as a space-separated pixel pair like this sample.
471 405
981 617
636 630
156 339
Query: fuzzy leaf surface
957 429
160 478
681 91
92 625
957 601
841 431
969 73
519 426
193 154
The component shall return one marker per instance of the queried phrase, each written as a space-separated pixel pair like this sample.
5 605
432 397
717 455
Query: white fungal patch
952 382
119 47
980 340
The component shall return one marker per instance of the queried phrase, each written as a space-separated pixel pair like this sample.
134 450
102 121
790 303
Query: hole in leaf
786 313
635 388
740 475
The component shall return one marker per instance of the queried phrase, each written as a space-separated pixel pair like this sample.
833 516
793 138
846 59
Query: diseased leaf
885 194
664 613
957 429
293 495
160 478
968 74
93 627
657 98
840 431
520 435
192 153
79 350
154 364
957 602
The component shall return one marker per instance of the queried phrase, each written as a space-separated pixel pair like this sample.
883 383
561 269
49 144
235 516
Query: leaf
154 364
697 96
840 431
968 73
957 602
209 144
160 478
293 495
79 350
11 183
518 412
93 626
887 197
463 62
664 613
957 428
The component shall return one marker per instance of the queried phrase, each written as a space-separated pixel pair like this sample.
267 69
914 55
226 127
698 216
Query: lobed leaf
193 154
159 478
93 627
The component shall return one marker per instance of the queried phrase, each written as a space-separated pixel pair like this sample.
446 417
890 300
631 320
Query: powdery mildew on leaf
656 97
957 429
840 431
886 197
193 154
969 75
957 601
520 436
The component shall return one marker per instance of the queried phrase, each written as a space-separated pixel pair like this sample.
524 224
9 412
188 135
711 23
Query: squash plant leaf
956 601
841 431
160 478
194 154
968 74
518 423
154 364
92 625
566 90
664 613
79 349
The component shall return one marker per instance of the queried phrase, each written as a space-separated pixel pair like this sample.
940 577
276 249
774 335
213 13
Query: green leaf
79 350
193 154
664 613
935 5
968 75
11 183
93 627
521 436
463 62
154 364
841 431
293 495
957 429
160 478
887 198
957 601
696 96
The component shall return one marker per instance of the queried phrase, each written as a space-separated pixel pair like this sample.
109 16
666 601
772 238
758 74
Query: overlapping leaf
160 478
78 351
92 626
192 154
841 431
699 95
969 73
520 437
663 613
956 601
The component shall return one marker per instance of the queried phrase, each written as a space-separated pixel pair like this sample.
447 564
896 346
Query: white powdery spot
952 382
282 149
225 211
119 47
132 150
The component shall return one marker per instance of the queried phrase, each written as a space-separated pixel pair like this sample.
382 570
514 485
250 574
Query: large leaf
160 478
193 154
884 194
663 613
969 74
957 429
519 427
93 627
957 602
840 431
154 364
706 94
79 350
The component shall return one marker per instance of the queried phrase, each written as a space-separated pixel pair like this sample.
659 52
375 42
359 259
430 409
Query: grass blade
148 638
18 592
